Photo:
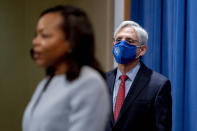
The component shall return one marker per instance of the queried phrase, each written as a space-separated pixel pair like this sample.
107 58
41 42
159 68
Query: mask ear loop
139 51
139 46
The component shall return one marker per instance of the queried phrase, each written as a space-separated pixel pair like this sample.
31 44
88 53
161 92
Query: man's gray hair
140 32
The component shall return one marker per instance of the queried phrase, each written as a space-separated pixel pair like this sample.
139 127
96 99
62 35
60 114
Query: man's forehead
126 32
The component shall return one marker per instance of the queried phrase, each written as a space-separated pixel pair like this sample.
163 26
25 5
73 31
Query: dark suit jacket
147 106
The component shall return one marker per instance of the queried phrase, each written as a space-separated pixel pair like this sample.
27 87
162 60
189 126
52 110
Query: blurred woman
73 95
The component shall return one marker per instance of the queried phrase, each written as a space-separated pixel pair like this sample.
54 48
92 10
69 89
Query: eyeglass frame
130 42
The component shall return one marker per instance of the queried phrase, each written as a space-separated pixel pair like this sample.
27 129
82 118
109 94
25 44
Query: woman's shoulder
89 73
90 77
90 83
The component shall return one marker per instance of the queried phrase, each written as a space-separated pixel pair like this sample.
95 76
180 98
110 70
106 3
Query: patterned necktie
120 96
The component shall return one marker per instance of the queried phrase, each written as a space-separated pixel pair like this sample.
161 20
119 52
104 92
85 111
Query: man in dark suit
140 97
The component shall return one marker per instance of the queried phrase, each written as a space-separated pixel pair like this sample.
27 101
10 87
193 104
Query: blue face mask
124 52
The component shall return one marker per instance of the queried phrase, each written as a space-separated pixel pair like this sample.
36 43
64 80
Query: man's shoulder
159 75
154 74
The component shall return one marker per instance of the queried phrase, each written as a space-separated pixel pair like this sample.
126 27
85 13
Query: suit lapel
36 98
39 93
111 76
137 86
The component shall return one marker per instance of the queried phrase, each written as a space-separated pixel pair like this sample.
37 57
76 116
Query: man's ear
143 49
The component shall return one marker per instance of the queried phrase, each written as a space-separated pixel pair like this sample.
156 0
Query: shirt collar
131 74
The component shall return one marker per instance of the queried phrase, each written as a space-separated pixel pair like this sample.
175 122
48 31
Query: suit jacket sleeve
163 108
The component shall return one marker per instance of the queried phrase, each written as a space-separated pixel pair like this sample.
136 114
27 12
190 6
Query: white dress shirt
131 76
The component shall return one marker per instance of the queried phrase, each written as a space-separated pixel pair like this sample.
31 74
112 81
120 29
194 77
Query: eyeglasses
129 40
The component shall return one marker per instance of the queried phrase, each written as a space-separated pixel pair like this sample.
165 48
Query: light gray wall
118 16
18 73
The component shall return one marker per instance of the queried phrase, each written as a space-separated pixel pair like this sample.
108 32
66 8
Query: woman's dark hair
78 31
